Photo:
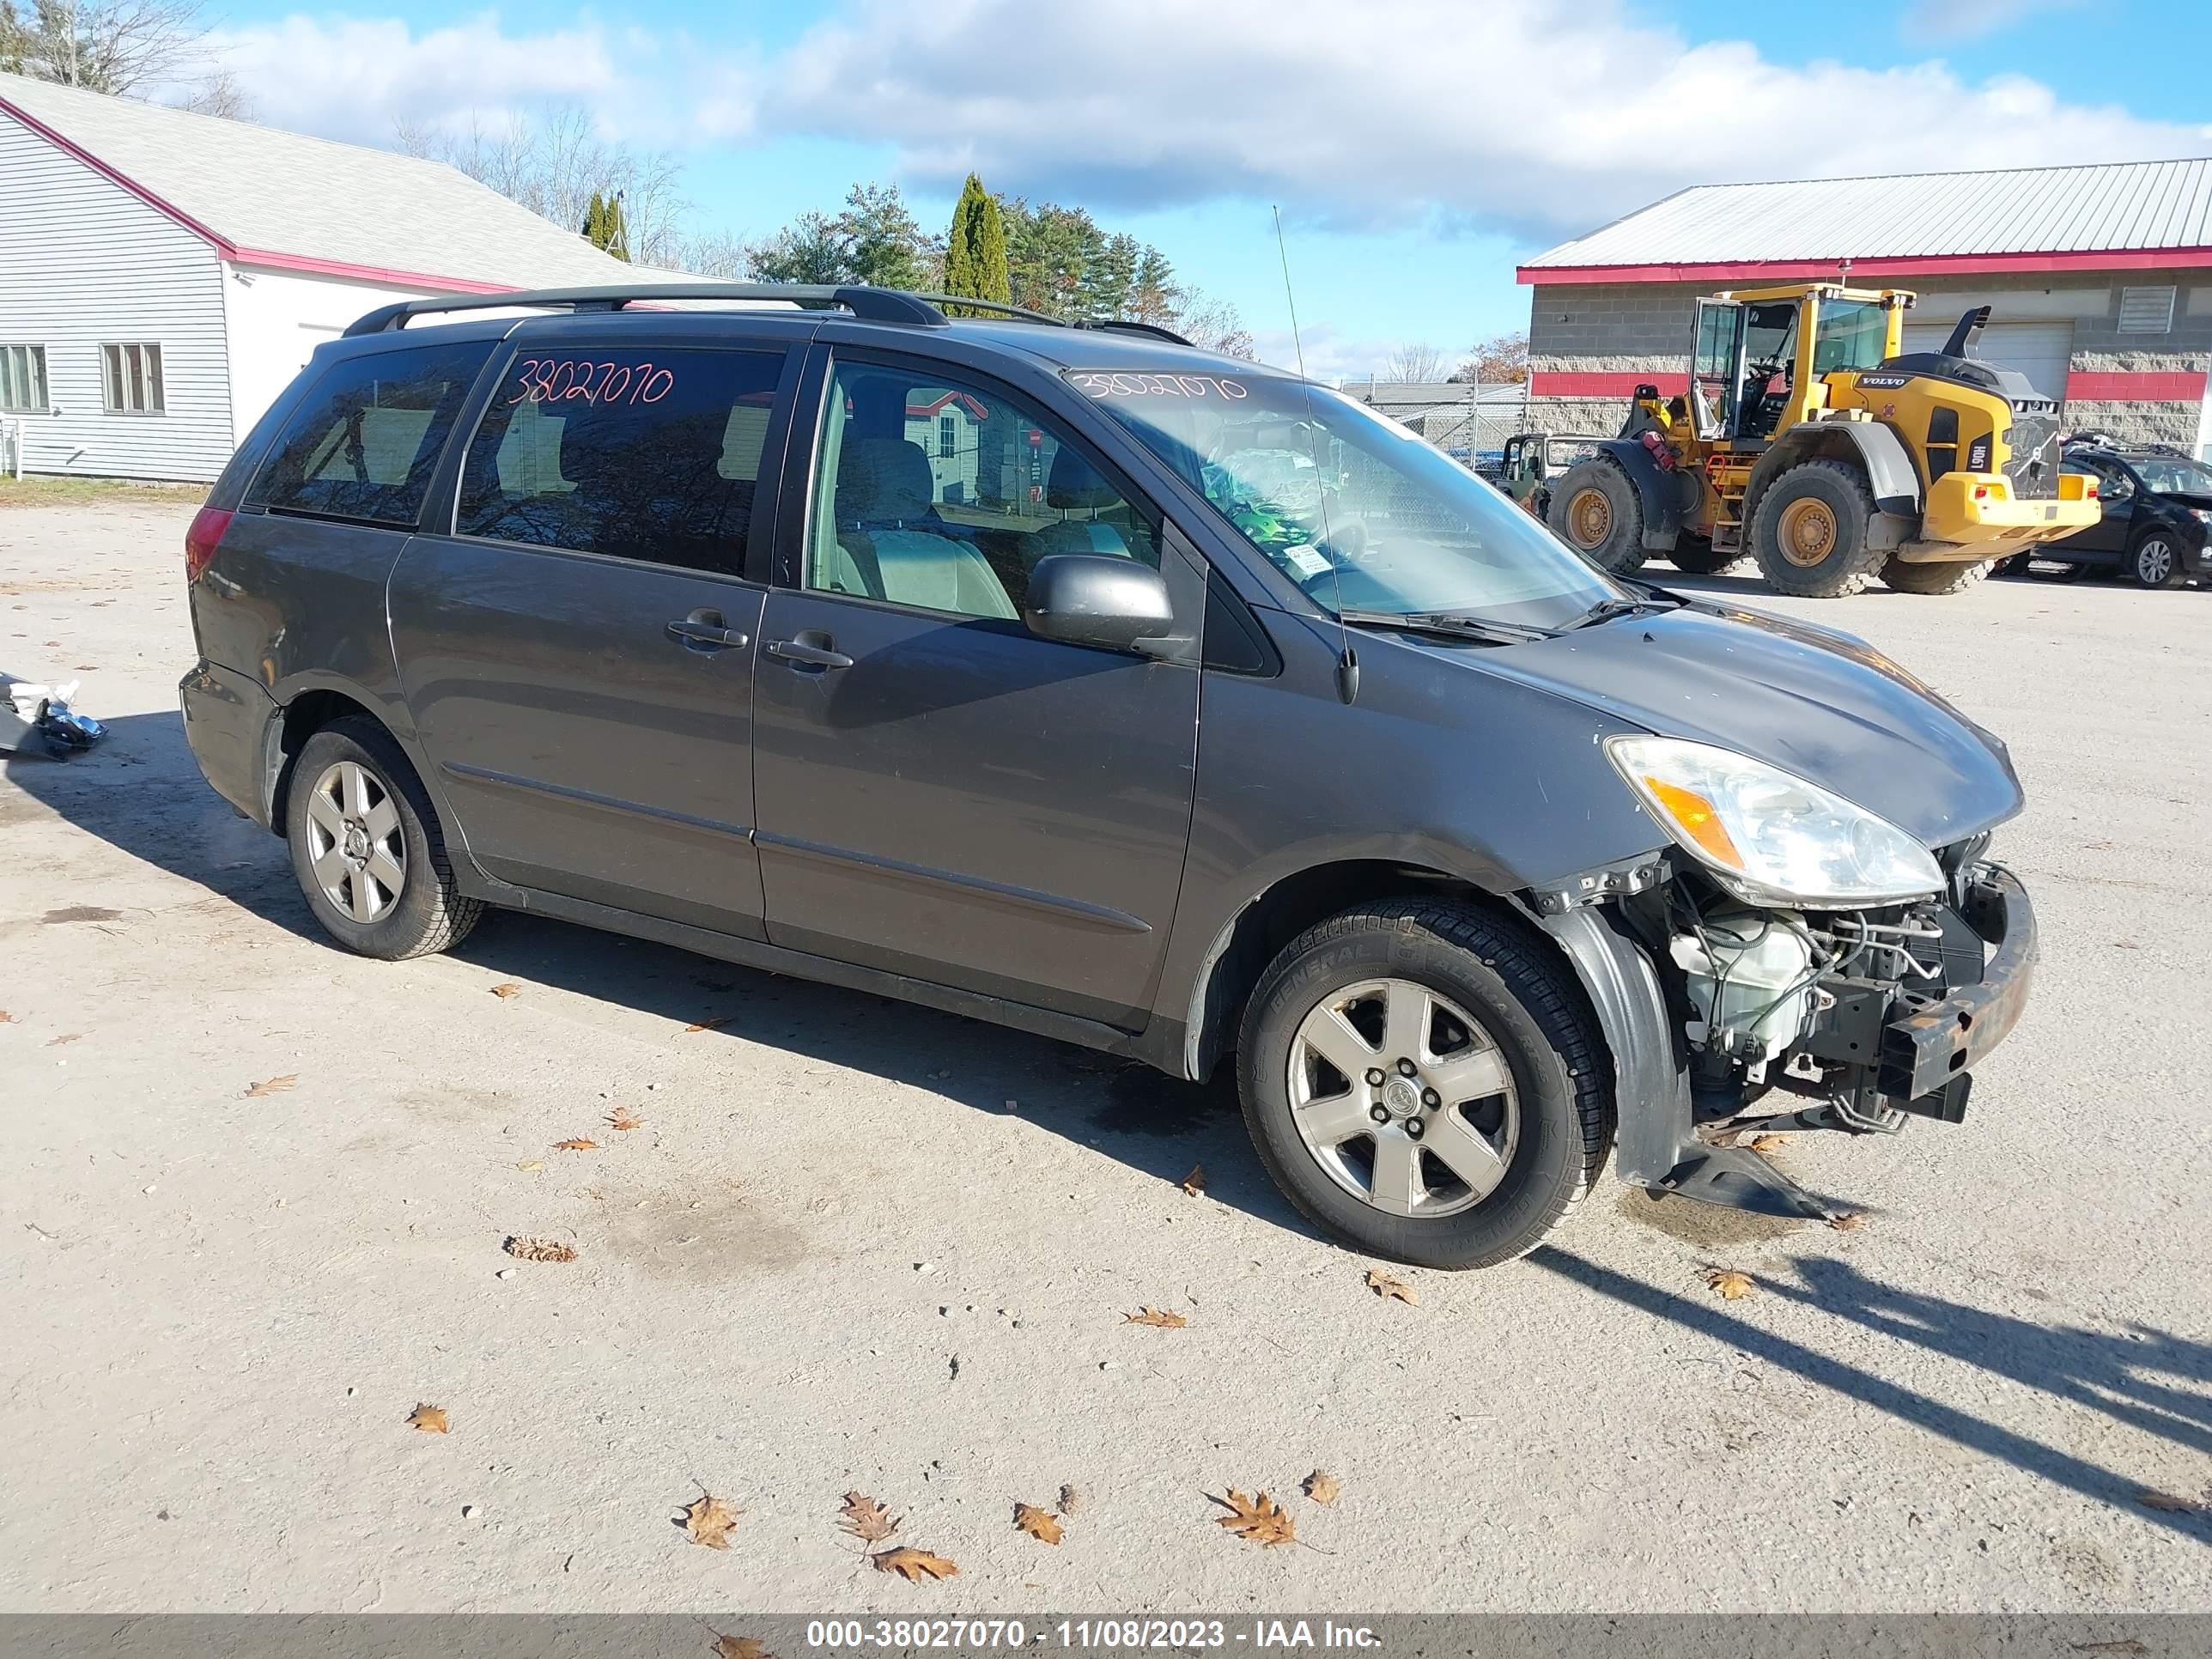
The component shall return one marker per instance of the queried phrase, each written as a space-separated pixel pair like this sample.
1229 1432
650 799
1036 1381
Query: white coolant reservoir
1751 977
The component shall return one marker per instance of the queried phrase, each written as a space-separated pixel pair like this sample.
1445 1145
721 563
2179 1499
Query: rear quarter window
365 440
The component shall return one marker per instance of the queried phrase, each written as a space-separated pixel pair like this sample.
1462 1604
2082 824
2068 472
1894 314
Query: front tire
1595 510
1950 576
367 847
1809 533
1495 1099
2155 561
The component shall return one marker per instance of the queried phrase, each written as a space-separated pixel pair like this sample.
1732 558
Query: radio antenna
1347 661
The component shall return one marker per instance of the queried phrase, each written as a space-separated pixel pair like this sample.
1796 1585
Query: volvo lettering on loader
1806 439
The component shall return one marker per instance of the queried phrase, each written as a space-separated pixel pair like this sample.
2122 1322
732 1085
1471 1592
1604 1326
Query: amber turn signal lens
1698 818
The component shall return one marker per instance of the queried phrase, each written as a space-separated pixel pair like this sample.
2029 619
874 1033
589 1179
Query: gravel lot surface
858 1246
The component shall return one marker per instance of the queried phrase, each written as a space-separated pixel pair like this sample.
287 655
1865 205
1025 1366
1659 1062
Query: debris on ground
38 719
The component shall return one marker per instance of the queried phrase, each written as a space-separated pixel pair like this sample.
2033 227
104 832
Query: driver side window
943 494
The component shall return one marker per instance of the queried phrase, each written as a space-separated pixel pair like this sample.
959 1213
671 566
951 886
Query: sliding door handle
703 630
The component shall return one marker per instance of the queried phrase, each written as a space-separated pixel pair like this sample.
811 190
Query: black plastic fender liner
1889 469
1656 489
1656 1146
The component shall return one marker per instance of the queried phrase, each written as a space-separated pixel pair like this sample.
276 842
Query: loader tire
1951 576
1595 511
1809 533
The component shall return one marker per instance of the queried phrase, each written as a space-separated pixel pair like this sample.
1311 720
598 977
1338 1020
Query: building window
2146 310
948 435
132 376
22 378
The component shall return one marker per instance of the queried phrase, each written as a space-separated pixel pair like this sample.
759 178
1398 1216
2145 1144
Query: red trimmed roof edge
230 250
1793 270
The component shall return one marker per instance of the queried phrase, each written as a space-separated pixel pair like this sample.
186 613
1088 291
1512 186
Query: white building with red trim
163 275
2098 281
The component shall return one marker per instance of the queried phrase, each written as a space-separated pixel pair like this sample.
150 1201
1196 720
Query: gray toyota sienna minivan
1071 677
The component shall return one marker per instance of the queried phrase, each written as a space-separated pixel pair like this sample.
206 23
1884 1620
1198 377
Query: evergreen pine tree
976 247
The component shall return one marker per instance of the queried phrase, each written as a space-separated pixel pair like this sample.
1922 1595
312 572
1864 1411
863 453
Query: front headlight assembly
1769 837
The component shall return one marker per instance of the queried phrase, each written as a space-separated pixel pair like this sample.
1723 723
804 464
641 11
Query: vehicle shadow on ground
141 791
2145 1379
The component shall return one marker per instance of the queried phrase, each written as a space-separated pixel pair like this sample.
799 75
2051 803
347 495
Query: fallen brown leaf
275 1085
6 1019
539 1249
711 1025
867 1520
1392 1289
708 1522
1071 1499
1166 1319
1040 1524
577 1144
1260 1519
1729 1285
431 1419
914 1565
2168 1502
1850 1221
1320 1486
1767 1143
623 1118
66 1037
1195 1182
738 1647
508 989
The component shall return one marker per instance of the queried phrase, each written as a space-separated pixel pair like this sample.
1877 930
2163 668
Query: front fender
1656 489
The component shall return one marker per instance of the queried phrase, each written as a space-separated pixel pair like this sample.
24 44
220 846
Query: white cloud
1543 117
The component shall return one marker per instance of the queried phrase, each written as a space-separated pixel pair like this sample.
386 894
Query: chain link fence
1470 423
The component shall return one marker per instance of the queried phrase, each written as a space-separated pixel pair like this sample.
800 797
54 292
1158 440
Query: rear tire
2155 559
367 848
1538 1089
1951 576
1595 510
1696 556
1809 533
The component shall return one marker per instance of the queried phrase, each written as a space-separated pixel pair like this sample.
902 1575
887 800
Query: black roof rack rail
996 307
1122 326
881 305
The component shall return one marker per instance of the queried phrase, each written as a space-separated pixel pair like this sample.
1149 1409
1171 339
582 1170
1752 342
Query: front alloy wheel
2156 563
1403 1098
1423 1080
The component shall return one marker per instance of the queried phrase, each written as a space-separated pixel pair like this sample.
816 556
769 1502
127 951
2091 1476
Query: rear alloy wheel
1943 576
1422 1080
2155 561
1809 533
1595 510
367 848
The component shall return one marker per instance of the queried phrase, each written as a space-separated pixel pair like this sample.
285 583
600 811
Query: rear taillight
202 540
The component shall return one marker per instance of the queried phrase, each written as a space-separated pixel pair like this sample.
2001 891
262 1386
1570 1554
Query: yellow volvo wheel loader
1806 439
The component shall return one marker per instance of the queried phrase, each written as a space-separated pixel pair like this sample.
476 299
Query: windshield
1851 334
2172 476
1360 512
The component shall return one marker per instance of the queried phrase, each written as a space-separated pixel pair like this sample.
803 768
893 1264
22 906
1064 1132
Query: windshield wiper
1450 625
1606 610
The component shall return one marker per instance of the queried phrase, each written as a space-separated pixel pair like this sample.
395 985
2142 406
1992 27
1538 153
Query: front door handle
702 631
808 652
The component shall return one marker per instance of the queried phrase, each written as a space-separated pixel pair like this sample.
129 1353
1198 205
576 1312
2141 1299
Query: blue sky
1416 147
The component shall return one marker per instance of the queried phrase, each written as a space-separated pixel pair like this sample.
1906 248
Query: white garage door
2039 350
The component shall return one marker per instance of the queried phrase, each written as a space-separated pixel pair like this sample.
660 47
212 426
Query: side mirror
1090 599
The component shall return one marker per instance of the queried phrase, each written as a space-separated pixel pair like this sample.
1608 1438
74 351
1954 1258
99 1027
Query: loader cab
1761 357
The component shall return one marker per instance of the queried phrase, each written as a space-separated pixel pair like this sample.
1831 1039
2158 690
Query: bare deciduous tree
103 45
553 162
217 94
1411 364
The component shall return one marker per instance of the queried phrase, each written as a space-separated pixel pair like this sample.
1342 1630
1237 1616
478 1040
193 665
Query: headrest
1075 484
882 481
